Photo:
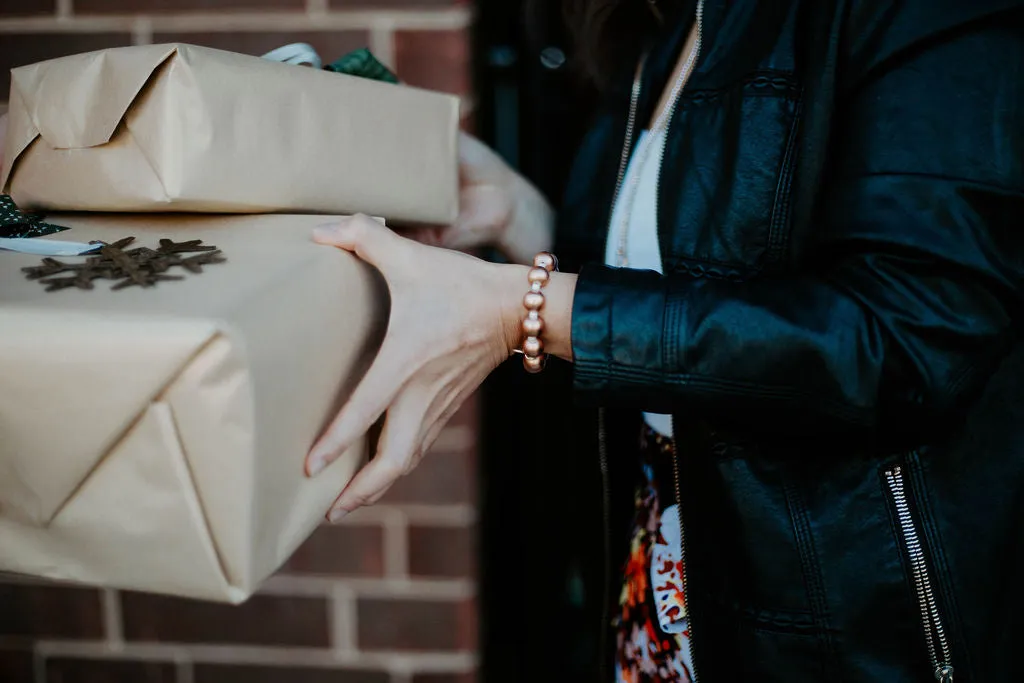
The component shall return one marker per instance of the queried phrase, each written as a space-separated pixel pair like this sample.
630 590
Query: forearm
844 352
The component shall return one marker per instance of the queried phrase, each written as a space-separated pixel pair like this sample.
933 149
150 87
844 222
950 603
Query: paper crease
141 149
207 526
109 449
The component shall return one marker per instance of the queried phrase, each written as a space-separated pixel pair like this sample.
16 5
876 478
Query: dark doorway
533 109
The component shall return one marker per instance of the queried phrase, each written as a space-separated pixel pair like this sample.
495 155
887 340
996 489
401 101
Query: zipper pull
944 674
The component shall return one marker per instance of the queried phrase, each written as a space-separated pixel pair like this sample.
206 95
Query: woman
799 289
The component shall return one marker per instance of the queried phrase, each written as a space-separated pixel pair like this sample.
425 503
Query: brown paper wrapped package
185 128
154 439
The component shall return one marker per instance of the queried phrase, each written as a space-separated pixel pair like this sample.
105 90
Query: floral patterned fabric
653 639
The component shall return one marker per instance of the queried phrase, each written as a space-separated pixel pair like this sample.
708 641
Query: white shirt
642 249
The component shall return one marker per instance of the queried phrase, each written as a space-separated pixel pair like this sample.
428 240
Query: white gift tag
295 53
666 573
41 247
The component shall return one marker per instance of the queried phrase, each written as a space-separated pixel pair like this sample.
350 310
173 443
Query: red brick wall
426 41
387 597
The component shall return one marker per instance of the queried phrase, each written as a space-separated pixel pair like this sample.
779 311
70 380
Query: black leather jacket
841 219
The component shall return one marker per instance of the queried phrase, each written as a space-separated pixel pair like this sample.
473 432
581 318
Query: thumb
361 235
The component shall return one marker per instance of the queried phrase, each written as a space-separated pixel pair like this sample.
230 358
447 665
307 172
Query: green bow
16 223
363 64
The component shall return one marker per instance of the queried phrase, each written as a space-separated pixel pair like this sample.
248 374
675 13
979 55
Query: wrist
556 313
513 286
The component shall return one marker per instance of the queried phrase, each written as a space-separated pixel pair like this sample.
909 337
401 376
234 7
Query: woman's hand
497 208
454 318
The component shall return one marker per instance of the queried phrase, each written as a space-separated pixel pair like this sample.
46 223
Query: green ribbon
363 64
16 223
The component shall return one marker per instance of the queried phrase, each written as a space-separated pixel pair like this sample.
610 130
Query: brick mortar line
396 545
454 515
318 7
142 31
391 660
382 41
455 438
185 672
93 649
315 585
38 666
343 619
284 585
112 619
355 20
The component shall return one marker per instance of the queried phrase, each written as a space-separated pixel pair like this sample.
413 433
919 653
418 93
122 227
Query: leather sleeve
908 296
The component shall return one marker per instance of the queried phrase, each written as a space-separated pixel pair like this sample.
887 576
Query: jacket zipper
602 446
627 144
675 454
671 114
934 632
602 452
682 551
627 148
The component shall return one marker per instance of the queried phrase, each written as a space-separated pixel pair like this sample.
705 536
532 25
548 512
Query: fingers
368 402
368 485
361 235
397 452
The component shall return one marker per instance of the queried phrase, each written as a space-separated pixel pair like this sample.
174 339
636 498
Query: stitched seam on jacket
610 351
641 375
758 84
709 268
670 333
781 218
811 574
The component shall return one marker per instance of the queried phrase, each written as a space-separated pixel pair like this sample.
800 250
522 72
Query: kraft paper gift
154 438
180 128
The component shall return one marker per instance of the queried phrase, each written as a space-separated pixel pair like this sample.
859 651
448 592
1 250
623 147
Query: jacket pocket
911 537
728 175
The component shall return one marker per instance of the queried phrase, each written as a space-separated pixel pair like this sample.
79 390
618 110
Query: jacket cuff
617 333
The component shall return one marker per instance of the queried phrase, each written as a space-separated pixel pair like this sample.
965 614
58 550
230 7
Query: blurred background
470 569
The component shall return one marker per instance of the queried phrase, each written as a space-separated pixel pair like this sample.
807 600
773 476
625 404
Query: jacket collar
664 50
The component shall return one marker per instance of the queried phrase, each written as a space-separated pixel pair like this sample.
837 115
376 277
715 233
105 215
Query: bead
532 327
533 364
538 276
534 301
532 346
545 260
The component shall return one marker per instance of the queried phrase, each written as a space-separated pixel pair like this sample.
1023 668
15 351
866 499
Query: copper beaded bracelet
533 348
